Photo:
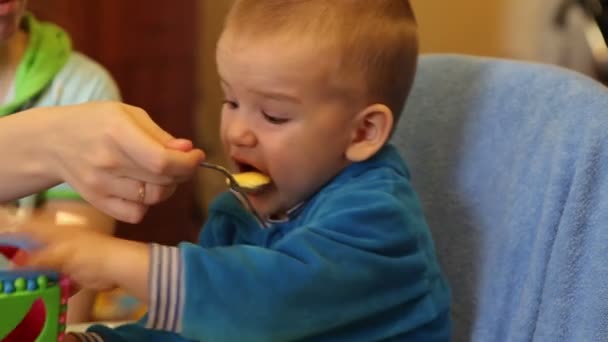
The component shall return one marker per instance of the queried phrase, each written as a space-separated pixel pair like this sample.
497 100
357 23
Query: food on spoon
251 180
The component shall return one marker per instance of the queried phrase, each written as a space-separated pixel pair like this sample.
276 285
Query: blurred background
161 54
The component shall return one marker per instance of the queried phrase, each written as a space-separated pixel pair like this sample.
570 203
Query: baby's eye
275 120
230 104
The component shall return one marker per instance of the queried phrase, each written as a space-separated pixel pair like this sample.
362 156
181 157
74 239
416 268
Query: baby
313 90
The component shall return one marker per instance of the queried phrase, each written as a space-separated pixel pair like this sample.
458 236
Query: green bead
42 282
20 284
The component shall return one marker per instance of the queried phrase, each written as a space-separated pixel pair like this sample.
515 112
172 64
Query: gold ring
142 192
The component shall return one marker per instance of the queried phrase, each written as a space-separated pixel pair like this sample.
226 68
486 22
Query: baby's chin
271 212
281 210
265 206
275 203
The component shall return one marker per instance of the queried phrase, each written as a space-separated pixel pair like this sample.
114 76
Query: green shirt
52 74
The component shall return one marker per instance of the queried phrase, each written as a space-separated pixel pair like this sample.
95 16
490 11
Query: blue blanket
511 163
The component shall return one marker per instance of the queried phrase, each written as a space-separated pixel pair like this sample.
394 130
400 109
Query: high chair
510 160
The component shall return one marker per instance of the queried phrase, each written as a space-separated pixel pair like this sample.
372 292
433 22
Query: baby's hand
80 254
90 259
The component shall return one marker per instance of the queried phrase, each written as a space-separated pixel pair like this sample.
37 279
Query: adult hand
115 156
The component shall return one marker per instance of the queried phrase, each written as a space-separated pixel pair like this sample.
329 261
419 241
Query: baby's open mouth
250 179
244 167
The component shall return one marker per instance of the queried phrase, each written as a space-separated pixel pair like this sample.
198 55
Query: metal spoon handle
234 186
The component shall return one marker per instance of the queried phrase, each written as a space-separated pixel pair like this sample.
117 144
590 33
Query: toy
33 304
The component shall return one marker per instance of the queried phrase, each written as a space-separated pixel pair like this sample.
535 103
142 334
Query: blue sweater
356 262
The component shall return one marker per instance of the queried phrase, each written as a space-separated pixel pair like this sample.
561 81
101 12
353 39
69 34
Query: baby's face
280 118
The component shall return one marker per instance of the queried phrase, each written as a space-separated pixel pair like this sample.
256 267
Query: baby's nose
239 133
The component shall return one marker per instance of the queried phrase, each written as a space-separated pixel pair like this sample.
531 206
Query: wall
210 97
520 29
464 26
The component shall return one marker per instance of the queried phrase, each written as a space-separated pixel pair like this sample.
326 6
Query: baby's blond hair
375 40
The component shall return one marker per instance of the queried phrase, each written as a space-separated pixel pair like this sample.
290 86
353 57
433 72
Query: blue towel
511 163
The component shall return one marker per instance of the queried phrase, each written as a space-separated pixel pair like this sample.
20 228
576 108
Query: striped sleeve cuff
166 289
87 337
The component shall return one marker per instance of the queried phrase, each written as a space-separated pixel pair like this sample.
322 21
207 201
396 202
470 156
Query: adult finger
134 190
143 119
123 210
156 159
108 195
119 208
171 167
183 145
181 165
153 194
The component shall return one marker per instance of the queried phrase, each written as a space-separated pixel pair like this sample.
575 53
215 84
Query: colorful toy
32 303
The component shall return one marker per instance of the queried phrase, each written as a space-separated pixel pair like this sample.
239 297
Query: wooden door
150 49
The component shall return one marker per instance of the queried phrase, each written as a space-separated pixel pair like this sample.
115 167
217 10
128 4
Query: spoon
242 184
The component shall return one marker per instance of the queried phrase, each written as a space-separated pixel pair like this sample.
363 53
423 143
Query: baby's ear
371 129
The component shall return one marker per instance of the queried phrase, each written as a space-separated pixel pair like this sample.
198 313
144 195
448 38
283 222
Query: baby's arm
326 277
59 211
92 260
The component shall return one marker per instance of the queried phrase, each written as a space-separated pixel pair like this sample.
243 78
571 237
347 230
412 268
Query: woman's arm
104 150
23 170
